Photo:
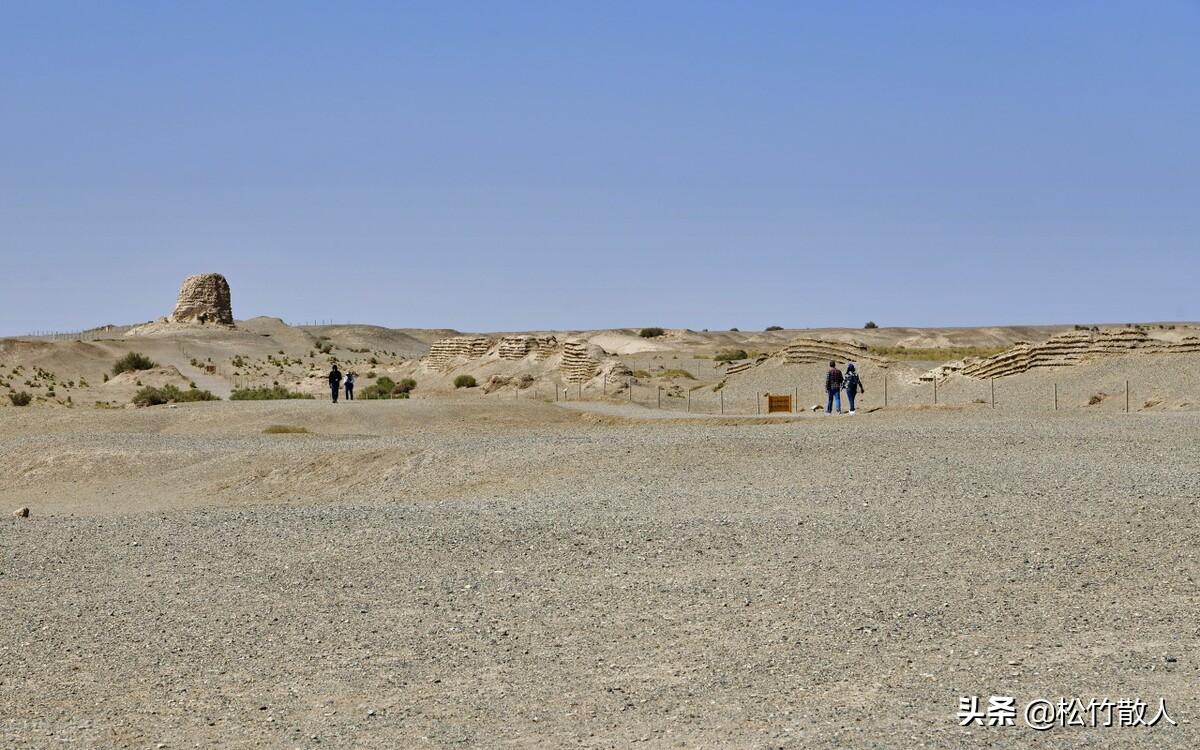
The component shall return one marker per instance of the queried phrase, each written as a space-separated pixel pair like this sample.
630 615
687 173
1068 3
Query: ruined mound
1072 348
445 354
203 299
805 351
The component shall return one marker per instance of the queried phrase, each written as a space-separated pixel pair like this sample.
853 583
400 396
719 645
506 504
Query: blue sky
505 166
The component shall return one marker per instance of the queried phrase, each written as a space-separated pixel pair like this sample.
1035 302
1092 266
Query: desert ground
494 573
604 542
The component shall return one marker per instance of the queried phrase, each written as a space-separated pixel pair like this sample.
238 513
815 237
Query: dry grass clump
265 393
730 355
20 399
169 394
1096 398
937 354
286 429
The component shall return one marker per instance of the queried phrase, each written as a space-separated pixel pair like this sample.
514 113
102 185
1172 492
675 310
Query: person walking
335 382
350 386
854 385
833 388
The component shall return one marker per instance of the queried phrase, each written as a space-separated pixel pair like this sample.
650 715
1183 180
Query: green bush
382 388
731 355
169 394
870 324
133 361
265 393
650 333
464 381
20 399
774 328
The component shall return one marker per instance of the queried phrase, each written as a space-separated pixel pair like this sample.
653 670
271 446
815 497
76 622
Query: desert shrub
325 347
265 393
285 429
405 385
730 355
1095 399
870 324
676 373
382 388
652 332
169 394
133 361
20 399
464 381
774 328
735 329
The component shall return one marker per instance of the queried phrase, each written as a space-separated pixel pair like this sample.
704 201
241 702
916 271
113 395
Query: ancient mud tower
204 299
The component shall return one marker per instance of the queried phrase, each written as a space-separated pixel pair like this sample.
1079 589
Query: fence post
580 391
992 381
885 397
795 399
1126 396
604 381
757 403
1056 397
722 392
629 385
935 389
689 401
660 397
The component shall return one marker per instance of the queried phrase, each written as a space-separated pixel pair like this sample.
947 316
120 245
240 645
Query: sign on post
778 403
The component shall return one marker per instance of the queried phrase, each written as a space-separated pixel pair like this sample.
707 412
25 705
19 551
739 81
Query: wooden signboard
778 403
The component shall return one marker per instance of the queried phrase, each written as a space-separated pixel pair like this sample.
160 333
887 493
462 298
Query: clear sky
521 165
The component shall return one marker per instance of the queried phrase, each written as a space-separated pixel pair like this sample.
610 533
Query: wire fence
91 334
1112 394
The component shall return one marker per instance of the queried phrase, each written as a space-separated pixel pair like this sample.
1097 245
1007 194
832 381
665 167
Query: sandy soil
486 573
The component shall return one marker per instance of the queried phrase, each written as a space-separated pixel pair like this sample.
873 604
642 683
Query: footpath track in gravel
433 574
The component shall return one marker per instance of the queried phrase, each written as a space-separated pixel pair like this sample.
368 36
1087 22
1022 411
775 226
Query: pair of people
335 384
835 381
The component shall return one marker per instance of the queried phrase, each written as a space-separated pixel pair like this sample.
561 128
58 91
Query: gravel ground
458 574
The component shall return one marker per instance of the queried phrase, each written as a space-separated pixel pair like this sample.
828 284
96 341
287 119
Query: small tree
774 328
870 324
20 399
652 332
464 381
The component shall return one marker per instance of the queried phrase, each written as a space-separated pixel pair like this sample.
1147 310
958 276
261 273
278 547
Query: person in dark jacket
833 388
335 382
854 385
350 385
